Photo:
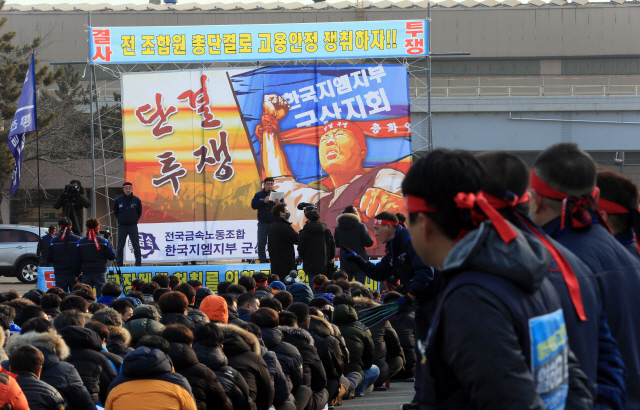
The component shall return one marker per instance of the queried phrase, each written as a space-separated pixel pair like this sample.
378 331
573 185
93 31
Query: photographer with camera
263 203
316 246
73 199
282 237
128 209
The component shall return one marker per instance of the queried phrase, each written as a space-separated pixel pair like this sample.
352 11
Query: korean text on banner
258 42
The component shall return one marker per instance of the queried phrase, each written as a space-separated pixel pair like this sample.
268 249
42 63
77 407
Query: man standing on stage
128 210
264 204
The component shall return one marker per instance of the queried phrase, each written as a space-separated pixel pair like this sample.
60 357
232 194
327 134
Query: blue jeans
370 377
263 230
132 232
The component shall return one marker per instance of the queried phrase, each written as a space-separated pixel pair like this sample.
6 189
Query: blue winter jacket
61 254
127 209
627 240
89 260
264 208
618 276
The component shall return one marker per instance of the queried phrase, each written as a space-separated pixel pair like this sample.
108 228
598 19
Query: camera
306 207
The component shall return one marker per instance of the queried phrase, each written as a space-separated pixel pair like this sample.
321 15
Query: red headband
93 236
611 207
65 231
415 204
349 126
131 185
384 222
580 217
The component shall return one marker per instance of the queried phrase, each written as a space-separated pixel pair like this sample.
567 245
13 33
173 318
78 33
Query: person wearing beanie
215 307
202 293
277 286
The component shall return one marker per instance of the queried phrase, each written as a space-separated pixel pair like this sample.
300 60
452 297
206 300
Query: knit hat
278 285
215 307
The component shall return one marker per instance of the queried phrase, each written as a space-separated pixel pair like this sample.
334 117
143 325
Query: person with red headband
60 255
564 204
128 210
497 339
505 186
91 256
619 203
43 246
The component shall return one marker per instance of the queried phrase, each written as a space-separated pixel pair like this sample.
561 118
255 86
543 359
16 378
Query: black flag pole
35 118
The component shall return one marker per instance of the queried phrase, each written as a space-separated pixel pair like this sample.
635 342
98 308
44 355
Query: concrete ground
394 398
7 284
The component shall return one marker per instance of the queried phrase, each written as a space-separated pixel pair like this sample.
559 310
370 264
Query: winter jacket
316 247
143 323
106 300
11 395
497 296
197 317
404 328
179 318
128 209
94 368
358 340
264 208
301 292
234 385
79 201
57 373
353 234
118 341
234 319
43 247
288 356
627 239
281 385
243 315
380 333
313 375
215 307
328 347
612 266
60 254
205 387
202 293
402 262
148 382
39 394
243 353
282 237
90 260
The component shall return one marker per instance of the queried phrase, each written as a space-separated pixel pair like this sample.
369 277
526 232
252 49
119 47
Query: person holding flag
24 121
91 256
60 255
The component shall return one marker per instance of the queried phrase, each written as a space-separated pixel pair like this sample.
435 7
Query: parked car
18 245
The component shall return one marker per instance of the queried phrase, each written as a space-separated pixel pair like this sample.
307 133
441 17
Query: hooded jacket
94 368
60 254
328 346
147 381
206 389
118 341
380 334
288 356
11 395
57 373
243 353
314 375
301 292
215 307
143 323
179 318
280 382
281 238
316 247
231 380
39 394
353 234
358 340
618 273
498 297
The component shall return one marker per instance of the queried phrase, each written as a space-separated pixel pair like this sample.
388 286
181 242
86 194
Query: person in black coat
95 370
119 337
91 256
60 255
73 198
353 234
26 362
173 306
404 328
263 203
207 341
243 353
207 391
43 246
60 374
316 246
282 237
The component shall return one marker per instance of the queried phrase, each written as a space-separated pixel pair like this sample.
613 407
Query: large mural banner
198 143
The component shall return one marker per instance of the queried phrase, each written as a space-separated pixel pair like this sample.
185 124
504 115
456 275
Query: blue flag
23 121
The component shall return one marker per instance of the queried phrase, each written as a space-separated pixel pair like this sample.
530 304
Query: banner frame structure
104 76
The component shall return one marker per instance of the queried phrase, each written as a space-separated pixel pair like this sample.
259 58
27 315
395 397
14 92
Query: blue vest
542 335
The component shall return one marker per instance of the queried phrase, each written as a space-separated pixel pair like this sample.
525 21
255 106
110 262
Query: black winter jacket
353 234
90 260
79 201
60 254
264 208
316 247
314 375
234 318
358 340
281 385
234 385
60 375
205 387
287 355
243 353
198 318
128 209
171 318
43 247
39 394
282 237
94 368
404 328
328 347
118 341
